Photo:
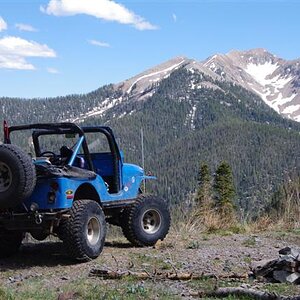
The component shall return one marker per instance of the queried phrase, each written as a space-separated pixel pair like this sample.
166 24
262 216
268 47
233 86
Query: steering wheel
52 154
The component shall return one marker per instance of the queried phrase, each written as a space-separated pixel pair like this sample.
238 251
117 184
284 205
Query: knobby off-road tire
146 221
83 233
10 242
17 176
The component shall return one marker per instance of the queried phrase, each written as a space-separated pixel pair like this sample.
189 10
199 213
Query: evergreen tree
204 192
224 190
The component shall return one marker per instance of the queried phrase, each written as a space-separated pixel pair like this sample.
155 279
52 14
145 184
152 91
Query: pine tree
204 192
224 190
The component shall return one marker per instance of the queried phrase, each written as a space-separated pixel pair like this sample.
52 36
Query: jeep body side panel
64 189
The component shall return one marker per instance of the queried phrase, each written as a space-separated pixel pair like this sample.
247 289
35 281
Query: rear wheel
146 221
17 176
83 233
10 242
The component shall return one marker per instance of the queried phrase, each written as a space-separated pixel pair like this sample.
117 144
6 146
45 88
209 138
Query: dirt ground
43 271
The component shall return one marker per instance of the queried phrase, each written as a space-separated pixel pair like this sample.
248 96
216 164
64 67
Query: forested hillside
188 118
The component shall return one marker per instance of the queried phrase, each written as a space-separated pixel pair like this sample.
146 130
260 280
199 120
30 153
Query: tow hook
38 219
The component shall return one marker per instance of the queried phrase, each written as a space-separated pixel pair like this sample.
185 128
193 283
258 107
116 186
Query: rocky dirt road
43 271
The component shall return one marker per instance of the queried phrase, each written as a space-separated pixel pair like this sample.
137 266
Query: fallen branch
246 292
107 274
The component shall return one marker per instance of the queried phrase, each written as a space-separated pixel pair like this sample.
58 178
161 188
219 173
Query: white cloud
15 50
25 27
3 25
174 18
98 43
103 9
52 71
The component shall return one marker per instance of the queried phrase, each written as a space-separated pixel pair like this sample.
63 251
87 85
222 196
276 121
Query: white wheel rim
151 221
93 231
5 177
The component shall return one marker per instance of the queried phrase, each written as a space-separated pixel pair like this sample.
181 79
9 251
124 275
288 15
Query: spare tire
17 176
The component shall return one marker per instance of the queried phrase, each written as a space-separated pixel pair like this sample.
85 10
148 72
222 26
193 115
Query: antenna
143 156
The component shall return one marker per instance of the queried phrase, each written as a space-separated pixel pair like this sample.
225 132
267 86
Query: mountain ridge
275 80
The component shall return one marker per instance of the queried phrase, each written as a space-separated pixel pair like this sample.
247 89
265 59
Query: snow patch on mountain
97 110
291 109
190 118
207 63
193 113
277 98
260 72
281 101
225 103
271 87
195 85
164 71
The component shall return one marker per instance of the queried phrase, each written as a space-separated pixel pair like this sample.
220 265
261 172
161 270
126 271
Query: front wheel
146 221
83 233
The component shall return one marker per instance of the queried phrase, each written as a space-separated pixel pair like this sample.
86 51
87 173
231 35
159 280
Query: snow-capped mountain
275 80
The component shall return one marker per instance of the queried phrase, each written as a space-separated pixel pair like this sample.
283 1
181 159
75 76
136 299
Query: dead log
245 292
107 274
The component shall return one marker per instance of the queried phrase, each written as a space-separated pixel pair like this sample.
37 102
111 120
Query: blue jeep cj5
69 181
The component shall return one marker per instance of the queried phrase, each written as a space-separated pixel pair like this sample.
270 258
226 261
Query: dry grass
186 222
264 223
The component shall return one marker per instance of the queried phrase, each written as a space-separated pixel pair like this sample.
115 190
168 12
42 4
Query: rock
287 261
17 278
293 278
281 276
264 267
261 263
65 278
68 296
284 269
290 252
285 251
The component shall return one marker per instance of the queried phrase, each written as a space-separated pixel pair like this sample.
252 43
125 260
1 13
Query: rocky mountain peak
257 56
141 84
275 80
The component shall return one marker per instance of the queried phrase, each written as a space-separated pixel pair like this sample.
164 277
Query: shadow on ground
118 245
37 254
47 254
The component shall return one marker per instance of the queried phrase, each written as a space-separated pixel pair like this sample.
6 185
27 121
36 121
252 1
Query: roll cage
41 129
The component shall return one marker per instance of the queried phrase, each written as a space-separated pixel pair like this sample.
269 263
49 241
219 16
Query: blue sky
59 47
